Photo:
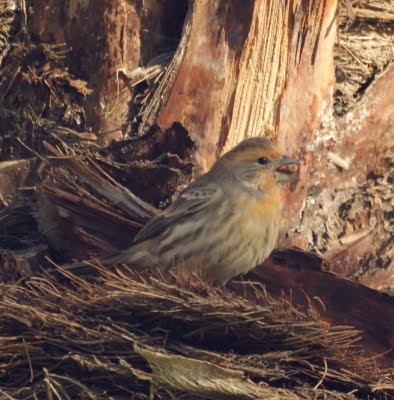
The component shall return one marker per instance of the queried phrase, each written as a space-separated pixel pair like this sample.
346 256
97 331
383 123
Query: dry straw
122 335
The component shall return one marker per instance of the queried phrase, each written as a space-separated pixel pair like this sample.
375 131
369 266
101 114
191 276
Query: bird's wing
191 201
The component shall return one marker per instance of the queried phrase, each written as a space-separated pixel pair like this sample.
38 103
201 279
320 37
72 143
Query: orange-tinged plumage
224 223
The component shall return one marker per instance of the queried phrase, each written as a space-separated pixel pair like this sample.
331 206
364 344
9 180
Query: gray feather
193 200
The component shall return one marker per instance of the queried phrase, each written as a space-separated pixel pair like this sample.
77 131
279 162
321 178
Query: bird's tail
132 256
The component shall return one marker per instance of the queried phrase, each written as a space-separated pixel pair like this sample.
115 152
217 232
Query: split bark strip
80 227
262 74
78 224
201 96
139 210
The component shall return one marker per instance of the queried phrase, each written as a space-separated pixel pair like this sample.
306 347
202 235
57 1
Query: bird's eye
263 160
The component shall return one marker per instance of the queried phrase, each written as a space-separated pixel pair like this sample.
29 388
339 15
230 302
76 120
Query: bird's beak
287 170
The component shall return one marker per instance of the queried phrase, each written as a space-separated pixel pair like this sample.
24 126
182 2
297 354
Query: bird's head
258 163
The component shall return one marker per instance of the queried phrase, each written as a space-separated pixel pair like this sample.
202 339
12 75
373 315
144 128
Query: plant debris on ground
124 334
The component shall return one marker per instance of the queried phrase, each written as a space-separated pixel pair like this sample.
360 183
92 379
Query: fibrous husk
127 334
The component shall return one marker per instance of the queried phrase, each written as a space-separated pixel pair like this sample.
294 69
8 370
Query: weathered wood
229 86
107 40
346 214
104 38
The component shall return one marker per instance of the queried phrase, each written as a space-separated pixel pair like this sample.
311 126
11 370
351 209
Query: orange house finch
224 223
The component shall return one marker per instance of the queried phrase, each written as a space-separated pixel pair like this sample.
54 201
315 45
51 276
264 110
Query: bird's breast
257 212
261 219
247 237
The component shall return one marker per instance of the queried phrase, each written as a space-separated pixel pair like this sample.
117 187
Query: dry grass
124 335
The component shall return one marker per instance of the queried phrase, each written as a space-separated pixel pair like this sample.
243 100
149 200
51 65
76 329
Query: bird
224 223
